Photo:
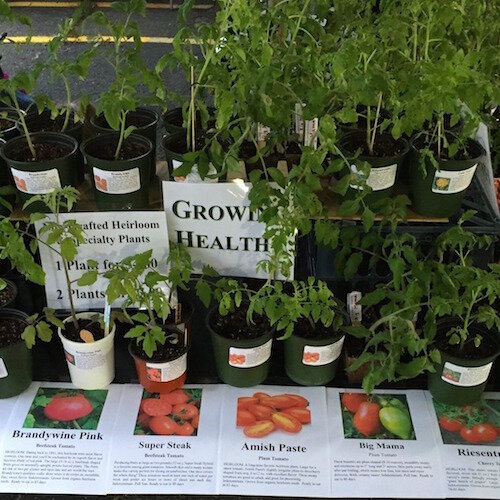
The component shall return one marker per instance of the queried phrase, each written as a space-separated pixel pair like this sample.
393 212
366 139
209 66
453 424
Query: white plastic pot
91 365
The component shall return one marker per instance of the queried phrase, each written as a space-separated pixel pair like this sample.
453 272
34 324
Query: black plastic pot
12 131
461 381
305 369
15 360
5 177
383 169
42 122
226 351
174 121
42 177
12 286
144 119
119 184
440 192
175 146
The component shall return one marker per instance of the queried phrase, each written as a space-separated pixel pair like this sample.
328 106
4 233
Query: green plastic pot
454 370
429 199
227 370
303 369
42 122
384 170
15 361
126 181
145 121
48 174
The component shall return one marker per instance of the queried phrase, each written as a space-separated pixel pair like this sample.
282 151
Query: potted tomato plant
468 321
162 327
121 161
87 344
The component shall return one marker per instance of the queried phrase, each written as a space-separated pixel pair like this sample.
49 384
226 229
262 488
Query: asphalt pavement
159 23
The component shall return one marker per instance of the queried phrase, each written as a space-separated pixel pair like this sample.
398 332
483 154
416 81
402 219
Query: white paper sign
382 447
469 446
6 407
163 445
260 457
214 221
57 440
109 237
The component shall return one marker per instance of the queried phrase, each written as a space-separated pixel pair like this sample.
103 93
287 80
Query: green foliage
135 279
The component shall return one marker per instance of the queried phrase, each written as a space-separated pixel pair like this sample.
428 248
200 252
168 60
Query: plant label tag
43 182
283 167
299 122
465 376
319 355
178 313
250 357
311 133
450 182
117 182
380 178
194 175
240 173
165 372
262 132
3 369
355 309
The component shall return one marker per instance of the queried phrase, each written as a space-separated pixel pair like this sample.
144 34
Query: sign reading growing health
215 222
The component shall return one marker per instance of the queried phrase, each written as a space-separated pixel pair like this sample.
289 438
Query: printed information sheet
57 440
469 445
166 443
274 442
382 445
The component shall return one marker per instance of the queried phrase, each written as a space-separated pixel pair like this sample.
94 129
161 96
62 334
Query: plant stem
377 115
23 123
368 128
439 138
463 336
415 40
68 103
193 114
123 122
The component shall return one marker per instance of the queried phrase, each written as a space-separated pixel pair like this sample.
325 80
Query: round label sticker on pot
465 376
319 355
117 182
3 369
43 182
380 177
452 181
250 357
193 176
165 372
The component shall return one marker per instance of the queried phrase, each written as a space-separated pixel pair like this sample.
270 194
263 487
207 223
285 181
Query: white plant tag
117 182
355 309
465 376
250 357
310 133
3 369
450 181
194 176
165 372
315 355
299 122
43 182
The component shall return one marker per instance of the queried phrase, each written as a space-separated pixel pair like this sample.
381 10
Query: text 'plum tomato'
244 417
259 429
352 400
450 424
163 426
65 408
366 419
185 411
156 407
286 423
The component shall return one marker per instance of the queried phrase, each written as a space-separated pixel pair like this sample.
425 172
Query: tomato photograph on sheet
262 414
379 416
477 424
175 413
55 408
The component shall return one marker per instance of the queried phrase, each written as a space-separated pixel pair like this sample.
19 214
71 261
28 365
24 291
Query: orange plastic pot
151 385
